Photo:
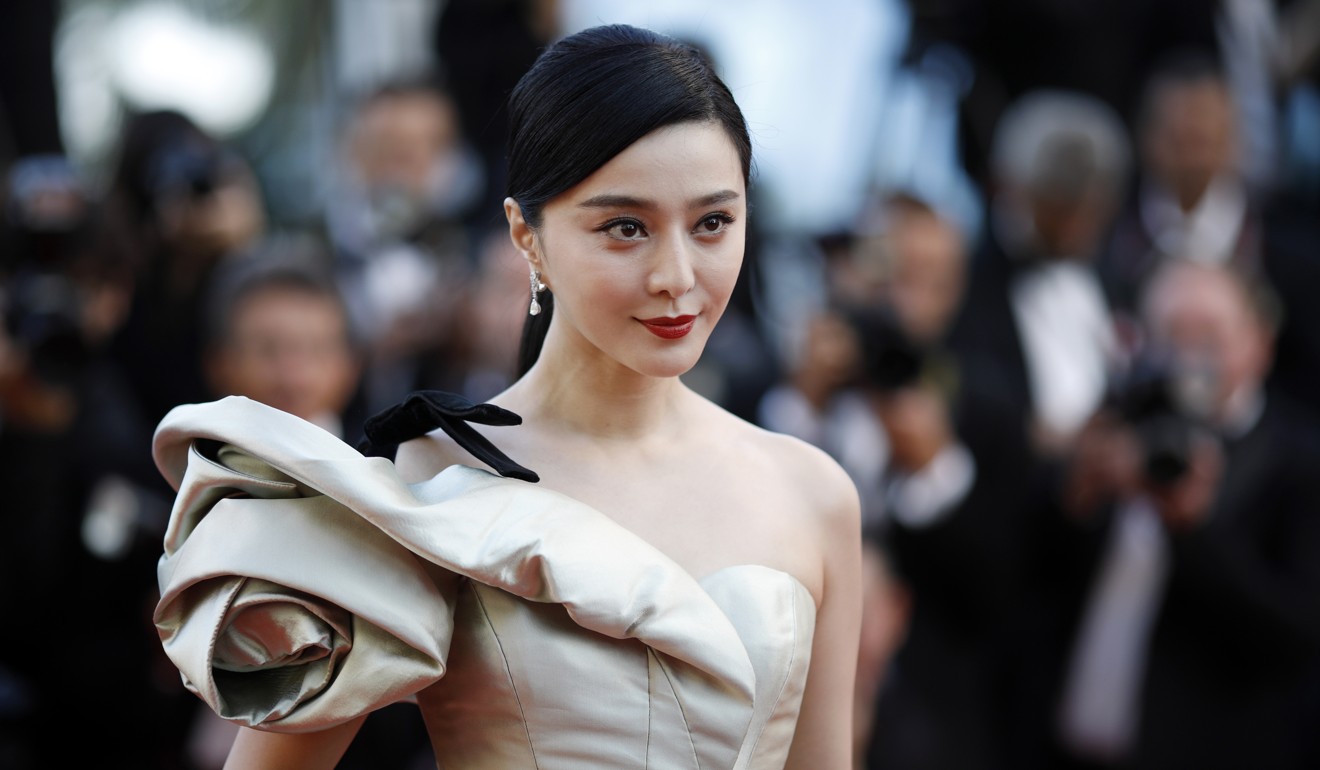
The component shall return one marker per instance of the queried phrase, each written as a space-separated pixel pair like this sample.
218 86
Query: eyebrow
612 201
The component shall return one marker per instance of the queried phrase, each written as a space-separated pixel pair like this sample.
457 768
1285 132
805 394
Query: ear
523 236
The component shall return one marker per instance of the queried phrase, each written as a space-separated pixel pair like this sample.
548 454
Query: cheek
605 285
589 291
720 275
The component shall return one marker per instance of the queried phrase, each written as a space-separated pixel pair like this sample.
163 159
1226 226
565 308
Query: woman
681 589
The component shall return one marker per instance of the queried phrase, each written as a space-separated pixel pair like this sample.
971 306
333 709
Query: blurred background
1040 274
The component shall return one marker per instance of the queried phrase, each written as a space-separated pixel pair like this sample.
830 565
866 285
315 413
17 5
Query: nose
671 269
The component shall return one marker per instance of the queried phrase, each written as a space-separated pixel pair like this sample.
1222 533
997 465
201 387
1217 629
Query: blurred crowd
1084 431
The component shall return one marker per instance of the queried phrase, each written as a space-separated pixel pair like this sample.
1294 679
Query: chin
670 363
664 369
668 373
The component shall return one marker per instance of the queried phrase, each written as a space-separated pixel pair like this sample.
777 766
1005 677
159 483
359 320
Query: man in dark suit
956 491
1187 568
1035 328
1024 365
949 528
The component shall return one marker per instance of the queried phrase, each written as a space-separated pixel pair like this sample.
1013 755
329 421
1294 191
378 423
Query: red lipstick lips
669 328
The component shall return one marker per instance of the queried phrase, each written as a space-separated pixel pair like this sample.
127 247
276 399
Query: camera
1163 401
187 169
890 359
47 228
43 315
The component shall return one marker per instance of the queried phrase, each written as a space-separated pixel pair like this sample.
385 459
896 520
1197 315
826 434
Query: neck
575 388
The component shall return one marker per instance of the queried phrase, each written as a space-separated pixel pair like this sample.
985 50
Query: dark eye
625 229
713 223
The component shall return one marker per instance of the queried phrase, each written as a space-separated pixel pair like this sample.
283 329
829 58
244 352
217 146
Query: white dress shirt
1067 340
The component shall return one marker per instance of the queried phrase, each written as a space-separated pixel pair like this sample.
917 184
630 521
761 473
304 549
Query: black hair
587 98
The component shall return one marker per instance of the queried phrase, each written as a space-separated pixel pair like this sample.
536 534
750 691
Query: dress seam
681 711
783 684
650 707
508 671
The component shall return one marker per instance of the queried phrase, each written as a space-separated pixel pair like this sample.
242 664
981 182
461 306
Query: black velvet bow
424 411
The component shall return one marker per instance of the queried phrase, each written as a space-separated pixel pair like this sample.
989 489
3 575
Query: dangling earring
537 288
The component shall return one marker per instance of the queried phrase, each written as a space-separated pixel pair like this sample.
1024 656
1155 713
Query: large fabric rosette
285 610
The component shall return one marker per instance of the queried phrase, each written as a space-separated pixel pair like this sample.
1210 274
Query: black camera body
187 169
891 359
1156 400
47 229
43 317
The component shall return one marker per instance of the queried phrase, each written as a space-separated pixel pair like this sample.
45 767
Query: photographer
180 203
953 485
1036 326
40 341
1193 503
73 528
60 300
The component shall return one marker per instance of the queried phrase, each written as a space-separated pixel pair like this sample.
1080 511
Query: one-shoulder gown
304 584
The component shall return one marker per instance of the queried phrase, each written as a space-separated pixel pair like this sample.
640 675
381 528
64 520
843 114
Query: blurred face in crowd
643 254
830 350
1204 318
926 273
400 137
1071 227
1190 137
1056 220
287 348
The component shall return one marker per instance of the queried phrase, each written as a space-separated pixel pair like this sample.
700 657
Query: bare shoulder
818 476
798 468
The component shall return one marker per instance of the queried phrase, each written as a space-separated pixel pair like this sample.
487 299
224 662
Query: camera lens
1167 444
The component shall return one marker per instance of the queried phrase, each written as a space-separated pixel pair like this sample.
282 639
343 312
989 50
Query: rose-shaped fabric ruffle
270 626
276 641
280 635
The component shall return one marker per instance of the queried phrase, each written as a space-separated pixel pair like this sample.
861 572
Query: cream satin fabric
303 584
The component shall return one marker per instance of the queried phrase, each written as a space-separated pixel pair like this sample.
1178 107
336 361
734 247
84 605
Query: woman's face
643 254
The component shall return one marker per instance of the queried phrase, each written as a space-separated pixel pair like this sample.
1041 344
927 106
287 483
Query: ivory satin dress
304 584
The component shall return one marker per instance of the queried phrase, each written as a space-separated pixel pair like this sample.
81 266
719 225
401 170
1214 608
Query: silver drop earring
537 288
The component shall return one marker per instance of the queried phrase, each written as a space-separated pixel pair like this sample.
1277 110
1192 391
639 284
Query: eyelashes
623 229
629 229
719 219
